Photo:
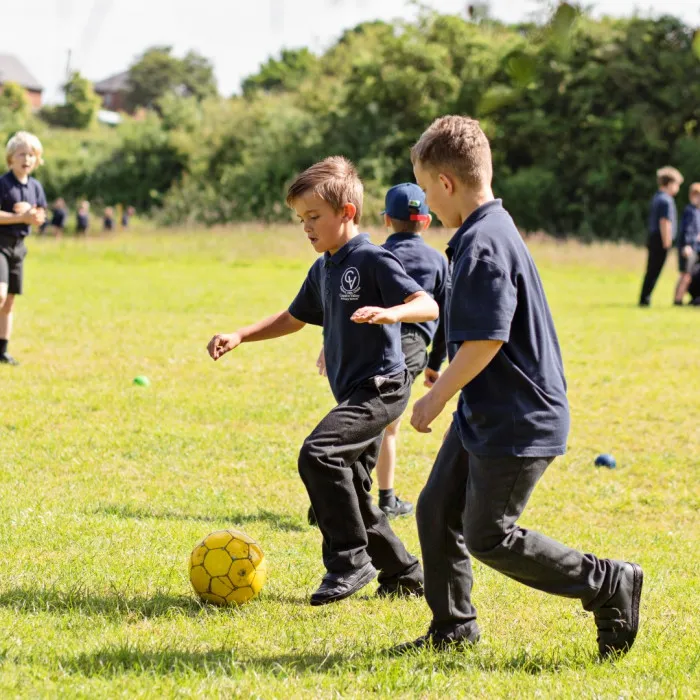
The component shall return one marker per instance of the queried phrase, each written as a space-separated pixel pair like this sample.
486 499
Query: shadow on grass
276 520
34 600
119 660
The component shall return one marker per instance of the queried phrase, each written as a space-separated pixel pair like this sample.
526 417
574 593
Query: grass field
105 487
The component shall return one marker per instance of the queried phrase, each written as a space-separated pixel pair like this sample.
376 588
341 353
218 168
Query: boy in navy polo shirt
22 205
359 293
407 215
662 228
688 242
512 418
58 218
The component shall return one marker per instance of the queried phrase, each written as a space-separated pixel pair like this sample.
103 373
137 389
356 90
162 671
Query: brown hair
694 189
401 226
667 175
458 144
335 180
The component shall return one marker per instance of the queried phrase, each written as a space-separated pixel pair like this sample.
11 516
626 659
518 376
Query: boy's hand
222 343
35 217
431 376
425 411
21 207
321 363
687 251
374 314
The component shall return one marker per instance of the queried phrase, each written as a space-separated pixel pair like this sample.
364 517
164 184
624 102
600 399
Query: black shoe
398 510
644 303
401 589
677 303
618 619
464 636
311 517
335 587
6 359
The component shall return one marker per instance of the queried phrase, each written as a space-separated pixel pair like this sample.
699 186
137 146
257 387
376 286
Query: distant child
662 228
126 215
82 218
359 293
59 215
22 205
108 220
512 417
688 242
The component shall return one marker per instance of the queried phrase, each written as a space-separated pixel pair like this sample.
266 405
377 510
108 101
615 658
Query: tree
158 72
13 98
281 75
80 108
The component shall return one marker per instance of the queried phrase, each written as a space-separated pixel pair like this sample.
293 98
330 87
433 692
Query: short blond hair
457 144
667 175
334 180
24 138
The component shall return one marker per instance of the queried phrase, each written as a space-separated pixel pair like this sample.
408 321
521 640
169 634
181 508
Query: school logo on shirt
350 285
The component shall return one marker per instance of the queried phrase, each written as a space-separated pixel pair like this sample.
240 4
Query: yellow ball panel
241 536
217 539
221 586
212 598
198 555
200 579
259 580
241 595
237 549
255 555
242 573
217 562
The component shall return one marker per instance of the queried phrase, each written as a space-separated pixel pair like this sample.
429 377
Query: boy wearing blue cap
407 214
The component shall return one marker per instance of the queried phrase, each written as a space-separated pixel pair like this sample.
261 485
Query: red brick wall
34 98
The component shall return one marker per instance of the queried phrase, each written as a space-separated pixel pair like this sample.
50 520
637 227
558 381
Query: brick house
13 71
113 91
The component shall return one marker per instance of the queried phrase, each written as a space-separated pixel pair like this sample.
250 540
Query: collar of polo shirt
343 252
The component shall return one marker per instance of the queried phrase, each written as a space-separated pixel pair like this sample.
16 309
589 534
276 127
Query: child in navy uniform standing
22 205
359 293
512 417
688 242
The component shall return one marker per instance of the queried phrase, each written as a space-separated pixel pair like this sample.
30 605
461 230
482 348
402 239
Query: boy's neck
348 232
472 200
665 190
24 179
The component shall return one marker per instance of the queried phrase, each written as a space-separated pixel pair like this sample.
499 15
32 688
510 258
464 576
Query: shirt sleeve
483 302
438 351
393 281
688 228
307 306
41 196
664 209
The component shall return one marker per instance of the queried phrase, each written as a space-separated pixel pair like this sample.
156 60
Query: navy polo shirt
359 274
59 218
517 405
12 191
429 269
662 207
690 227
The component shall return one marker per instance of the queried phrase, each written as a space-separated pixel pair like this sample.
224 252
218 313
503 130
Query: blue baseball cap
406 202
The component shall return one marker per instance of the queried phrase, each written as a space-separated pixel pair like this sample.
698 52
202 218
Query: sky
105 36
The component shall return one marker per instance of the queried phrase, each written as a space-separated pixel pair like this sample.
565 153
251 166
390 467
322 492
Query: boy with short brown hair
512 418
359 294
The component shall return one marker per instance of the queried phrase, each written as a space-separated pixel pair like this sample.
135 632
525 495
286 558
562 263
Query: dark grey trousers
335 464
471 504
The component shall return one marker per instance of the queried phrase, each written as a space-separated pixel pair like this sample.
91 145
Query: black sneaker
311 517
401 589
462 637
6 359
336 587
398 510
618 619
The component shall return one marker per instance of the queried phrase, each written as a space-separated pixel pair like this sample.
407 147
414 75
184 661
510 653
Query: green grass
105 487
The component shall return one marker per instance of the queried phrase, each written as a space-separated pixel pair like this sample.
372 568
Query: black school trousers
335 464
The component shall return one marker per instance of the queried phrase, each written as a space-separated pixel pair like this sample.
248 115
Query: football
227 568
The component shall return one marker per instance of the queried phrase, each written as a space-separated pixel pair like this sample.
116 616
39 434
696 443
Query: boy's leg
440 518
655 263
329 463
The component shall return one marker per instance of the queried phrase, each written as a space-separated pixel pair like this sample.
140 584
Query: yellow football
227 568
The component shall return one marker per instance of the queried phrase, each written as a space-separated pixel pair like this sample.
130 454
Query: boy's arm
8 218
417 307
472 357
275 326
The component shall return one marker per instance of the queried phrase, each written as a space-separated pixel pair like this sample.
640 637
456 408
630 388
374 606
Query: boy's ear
426 224
387 221
447 182
349 211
